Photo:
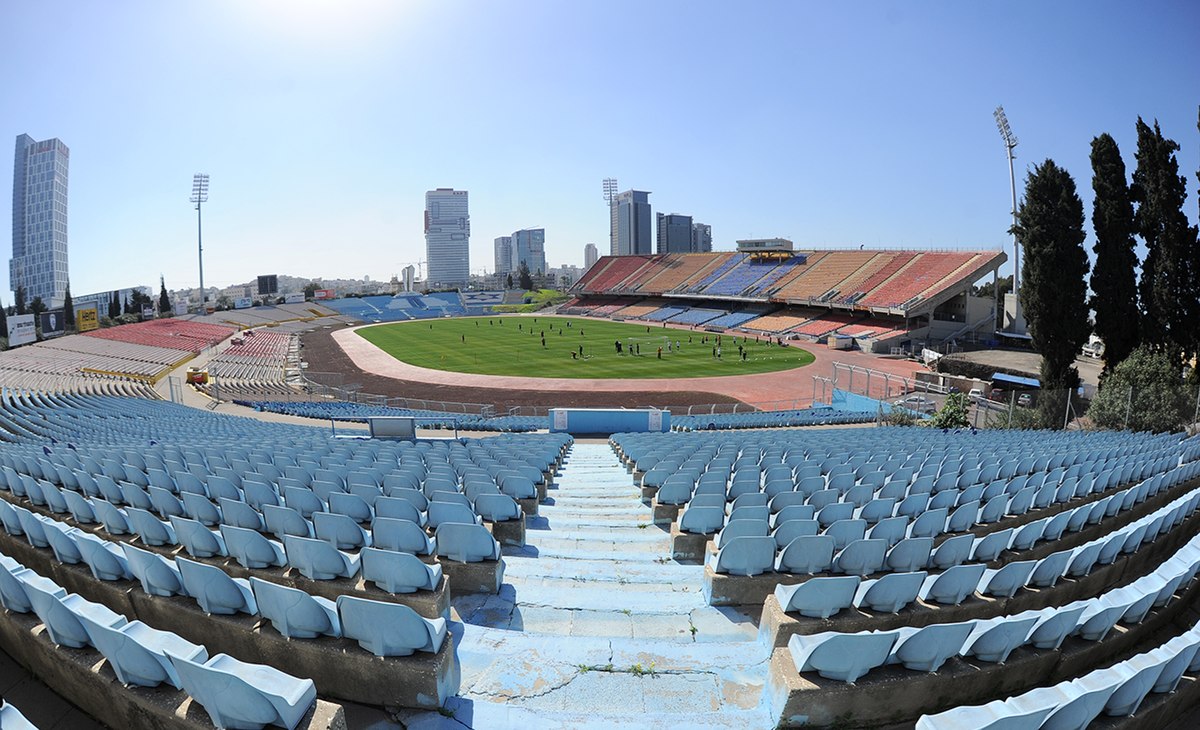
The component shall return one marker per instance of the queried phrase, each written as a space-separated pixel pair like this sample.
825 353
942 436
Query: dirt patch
324 355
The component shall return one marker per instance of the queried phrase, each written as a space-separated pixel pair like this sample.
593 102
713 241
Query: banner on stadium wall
243 303
323 294
87 319
21 329
295 298
52 324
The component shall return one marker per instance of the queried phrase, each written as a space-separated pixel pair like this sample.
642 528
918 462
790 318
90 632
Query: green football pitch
560 347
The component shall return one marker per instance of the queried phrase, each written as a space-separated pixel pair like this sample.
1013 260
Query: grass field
513 346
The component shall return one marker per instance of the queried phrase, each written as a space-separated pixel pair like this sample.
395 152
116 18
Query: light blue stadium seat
257 494
351 505
54 498
151 530
197 507
241 695
891 529
741 528
789 530
877 509
963 517
835 512
786 499
214 590
281 521
465 542
251 549
926 649
389 629
397 572
496 507
294 613
138 653
340 531
996 715
795 512
518 486
400 534
62 540
750 555
843 657
861 557
109 489
1050 568
441 512
911 553
32 527
10 520
1140 674
806 554
158 576
819 597
198 540
135 496
953 551
953 585
12 586
1029 534
302 500
106 559
12 719
1072 704
750 512
989 547
57 611
317 559
845 532
701 520
891 592
1056 624
165 503
1005 582
397 508
240 514
221 488
992 640
930 523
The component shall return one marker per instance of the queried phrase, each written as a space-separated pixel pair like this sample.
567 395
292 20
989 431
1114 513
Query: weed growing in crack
626 611
446 712
694 630
642 671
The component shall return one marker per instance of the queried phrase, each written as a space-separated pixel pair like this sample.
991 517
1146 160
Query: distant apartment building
632 222
590 256
529 248
447 238
701 238
39 220
407 276
674 233
102 299
503 254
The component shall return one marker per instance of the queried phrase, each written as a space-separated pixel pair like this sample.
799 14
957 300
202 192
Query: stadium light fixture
1010 142
200 195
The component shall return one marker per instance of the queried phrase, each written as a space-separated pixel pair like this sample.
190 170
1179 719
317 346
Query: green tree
1053 279
37 306
524 280
1145 392
4 324
953 413
1114 287
68 309
114 305
984 290
164 299
1170 294
310 290
20 303
508 282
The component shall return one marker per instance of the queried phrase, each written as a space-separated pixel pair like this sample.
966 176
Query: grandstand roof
899 282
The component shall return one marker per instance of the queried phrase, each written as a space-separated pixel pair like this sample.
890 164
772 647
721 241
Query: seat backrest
214 590
747 555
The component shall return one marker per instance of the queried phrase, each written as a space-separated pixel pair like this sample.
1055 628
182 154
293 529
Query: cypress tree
1053 280
164 301
1170 295
20 294
68 309
1114 286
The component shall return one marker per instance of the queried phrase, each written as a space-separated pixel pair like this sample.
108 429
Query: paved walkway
596 627
761 390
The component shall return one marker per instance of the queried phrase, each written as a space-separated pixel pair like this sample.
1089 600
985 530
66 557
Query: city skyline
322 127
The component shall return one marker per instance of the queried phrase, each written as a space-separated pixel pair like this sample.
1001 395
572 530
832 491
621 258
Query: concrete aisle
597 627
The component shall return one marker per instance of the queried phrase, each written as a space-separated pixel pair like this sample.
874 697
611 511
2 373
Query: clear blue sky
322 124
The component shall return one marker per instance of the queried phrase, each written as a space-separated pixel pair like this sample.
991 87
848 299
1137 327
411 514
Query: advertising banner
53 324
296 298
21 329
87 319
147 312
243 303
323 294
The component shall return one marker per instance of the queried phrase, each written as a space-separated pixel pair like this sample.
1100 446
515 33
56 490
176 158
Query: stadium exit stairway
596 626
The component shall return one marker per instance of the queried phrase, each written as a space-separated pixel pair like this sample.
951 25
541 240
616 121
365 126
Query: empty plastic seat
953 585
389 629
845 532
317 559
911 553
158 576
992 640
293 612
138 653
151 530
32 527
1050 568
237 694
1056 624
165 503
861 557
989 547
844 657
106 559
789 530
750 555
440 512
62 541
930 523
806 554
239 514
397 572
1005 582
466 543
891 529
819 597
250 549
79 507
1139 676
890 593
281 521
741 528
496 507
995 715
926 649
214 590
198 540
953 551
340 531
399 534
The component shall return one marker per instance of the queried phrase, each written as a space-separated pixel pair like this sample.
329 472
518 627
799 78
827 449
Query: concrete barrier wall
83 676
340 668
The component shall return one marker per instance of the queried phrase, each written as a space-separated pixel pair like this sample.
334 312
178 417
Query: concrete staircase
596 627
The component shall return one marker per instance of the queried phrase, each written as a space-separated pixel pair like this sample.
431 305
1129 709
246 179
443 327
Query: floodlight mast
1010 142
200 195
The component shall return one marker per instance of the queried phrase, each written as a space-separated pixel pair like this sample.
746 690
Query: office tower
408 275
447 238
674 233
590 254
504 254
39 240
701 238
529 248
633 223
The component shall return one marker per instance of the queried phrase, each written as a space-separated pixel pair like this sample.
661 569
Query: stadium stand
172 333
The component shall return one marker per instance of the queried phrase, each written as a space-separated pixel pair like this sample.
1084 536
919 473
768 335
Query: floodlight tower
200 195
1010 142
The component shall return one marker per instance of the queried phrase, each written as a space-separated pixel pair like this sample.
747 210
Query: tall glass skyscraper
633 223
39 211
447 238
529 248
503 254
590 255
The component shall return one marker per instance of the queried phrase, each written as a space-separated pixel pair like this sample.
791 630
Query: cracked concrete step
479 714
662 573
564 594
598 550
